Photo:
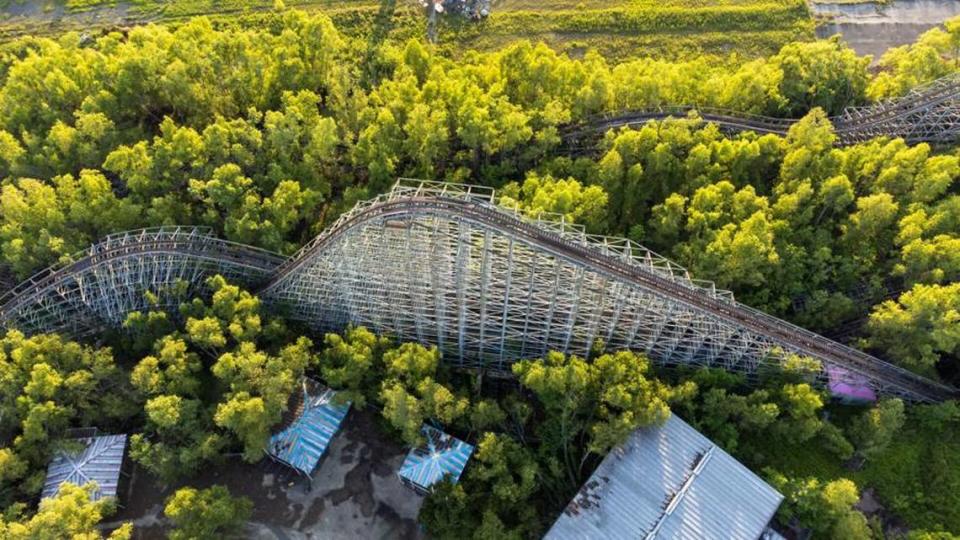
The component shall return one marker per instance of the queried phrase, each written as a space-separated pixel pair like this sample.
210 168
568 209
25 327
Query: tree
827 509
231 313
183 419
919 328
447 511
932 56
743 253
545 195
178 437
874 430
174 370
440 403
48 384
404 412
352 363
259 388
411 363
495 497
486 414
70 514
834 440
41 224
801 404
509 471
411 394
936 417
823 73
868 233
724 415
606 399
206 513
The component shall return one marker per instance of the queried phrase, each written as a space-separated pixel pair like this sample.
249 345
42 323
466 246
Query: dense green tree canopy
827 507
605 399
206 513
48 385
541 197
353 362
224 339
920 328
71 514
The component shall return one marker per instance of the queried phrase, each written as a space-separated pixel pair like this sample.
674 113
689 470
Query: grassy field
670 28
915 478
619 29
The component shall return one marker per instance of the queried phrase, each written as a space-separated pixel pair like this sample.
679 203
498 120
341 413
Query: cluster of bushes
299 126
645 20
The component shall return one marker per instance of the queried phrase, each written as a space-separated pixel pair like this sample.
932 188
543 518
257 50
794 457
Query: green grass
678 29
879 2
916 477
619 29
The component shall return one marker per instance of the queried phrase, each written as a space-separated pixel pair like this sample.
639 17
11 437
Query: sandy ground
873 28
356 492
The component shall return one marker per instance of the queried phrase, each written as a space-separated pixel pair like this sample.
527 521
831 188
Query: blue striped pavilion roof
303 442
441 455
99 461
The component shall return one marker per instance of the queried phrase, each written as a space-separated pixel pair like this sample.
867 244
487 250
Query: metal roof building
100 461
317 418
669 482
439 456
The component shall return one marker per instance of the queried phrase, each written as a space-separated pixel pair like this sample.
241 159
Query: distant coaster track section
99 287
443 264
929 113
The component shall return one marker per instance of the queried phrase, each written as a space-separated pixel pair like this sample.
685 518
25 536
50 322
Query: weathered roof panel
441 455
303 442
669 482
100 461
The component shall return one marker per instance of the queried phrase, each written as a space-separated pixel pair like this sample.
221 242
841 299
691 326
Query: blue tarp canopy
302 443
439 456
99 461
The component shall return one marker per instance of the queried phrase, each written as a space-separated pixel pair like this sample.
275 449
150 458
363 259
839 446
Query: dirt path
873 28
356 492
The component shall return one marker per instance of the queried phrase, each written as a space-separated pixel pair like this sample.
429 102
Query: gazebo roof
441 455
100 461
303 441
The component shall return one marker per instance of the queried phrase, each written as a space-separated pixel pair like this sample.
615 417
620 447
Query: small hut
312 420
99 459
439 456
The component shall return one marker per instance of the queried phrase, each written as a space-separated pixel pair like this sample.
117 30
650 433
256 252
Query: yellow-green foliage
935 54
617 28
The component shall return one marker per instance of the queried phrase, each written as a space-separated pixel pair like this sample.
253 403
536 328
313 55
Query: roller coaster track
441 263
101 285
930 113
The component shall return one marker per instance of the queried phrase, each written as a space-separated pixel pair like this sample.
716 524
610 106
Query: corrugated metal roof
303 442
441 455
669 482
100 461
